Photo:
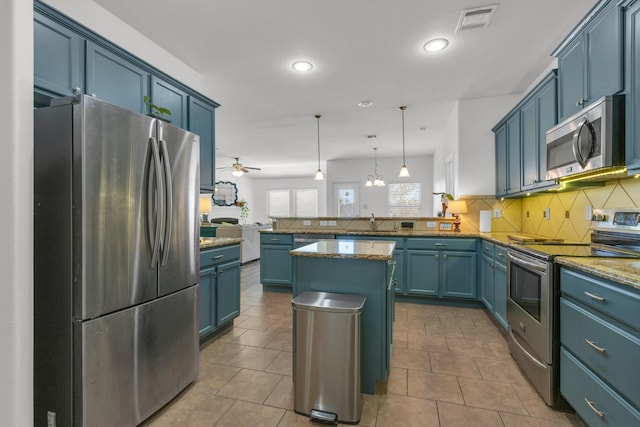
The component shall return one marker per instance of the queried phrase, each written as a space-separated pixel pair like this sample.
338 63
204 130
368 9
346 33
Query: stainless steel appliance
534 293
590 140
116 263
304 239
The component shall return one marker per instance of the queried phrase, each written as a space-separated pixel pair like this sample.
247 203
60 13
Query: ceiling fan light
319 175
237 172
369 182
404 172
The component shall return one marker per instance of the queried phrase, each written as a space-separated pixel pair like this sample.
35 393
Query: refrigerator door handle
153 202
168 205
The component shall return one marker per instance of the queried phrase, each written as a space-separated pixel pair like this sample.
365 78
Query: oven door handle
528 264
525 352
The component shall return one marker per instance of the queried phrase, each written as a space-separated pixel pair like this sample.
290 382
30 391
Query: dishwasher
304 239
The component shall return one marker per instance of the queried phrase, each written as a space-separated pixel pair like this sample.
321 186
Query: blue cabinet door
487 283
547 117
58 58
207 306
423 272
500 293
571 78
170 97
501 161
202 122
458 274
398 257
275 264
227 293
114 79
530 148
513 154
632 73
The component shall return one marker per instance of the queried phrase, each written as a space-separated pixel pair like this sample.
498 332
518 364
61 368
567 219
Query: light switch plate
332 223
431 224
547 213
306 222
446 226
496 213
323 223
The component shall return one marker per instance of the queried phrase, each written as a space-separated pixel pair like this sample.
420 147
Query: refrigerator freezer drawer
137 360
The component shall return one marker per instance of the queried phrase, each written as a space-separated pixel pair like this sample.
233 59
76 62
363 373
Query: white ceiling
361 50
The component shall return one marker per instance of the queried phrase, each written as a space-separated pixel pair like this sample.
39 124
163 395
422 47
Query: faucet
372 222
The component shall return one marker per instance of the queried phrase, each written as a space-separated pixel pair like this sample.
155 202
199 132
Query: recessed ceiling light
302 66
435 45
365 104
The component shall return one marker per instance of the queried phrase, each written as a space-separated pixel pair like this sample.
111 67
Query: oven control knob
598 217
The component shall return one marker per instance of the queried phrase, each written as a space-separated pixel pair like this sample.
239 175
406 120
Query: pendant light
319 174
375 180
404 172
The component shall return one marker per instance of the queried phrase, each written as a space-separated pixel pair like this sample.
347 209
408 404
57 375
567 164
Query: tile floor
450 367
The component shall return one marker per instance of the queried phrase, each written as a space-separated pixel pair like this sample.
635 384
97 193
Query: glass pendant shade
404 172
319 175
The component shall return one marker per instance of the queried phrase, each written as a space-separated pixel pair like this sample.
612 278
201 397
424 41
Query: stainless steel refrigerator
116 260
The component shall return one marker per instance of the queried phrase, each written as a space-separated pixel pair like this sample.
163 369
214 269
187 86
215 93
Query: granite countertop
625 271
215 242
355 249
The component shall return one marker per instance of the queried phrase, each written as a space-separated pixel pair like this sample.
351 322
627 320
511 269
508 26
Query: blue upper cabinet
166 95
501 160
632 73
202 122
58 58
590 61
513 154
115 79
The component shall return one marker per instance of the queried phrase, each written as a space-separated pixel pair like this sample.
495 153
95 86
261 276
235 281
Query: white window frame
268 197
396 209
294 207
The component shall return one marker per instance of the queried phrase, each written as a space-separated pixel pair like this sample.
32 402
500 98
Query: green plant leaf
146 99
164 111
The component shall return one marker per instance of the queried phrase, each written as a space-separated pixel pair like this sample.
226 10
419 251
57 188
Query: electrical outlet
431 224
496 213
566 214
547 213
306 222
323 223
527 214
332 223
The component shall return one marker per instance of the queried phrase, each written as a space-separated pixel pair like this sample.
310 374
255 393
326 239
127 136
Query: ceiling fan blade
249 167
243 169
225 167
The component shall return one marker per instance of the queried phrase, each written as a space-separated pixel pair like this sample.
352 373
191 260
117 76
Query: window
405 199
305 202
277 203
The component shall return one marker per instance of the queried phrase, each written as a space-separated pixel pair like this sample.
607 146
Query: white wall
16 220
375 199
448 145
476 146
245 192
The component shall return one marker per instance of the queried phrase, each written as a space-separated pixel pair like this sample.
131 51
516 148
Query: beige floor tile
251 414
213 376
370 406
513 420
470 348
281 326
282 394
397 382
231 334
256 323
400 340
534 404
291 419
442 363
193 408
252 386
430 343
438 329
500 370
410 359
255 338
405 411
282 364
432 386
491 395
458 415
252 358
282 341
219 352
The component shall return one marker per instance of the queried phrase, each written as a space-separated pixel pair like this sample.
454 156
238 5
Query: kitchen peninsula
359 267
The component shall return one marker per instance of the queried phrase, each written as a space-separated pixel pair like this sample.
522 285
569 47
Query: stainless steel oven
530 314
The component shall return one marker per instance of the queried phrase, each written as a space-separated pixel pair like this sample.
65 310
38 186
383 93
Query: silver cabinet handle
593 408
594 346
275 240
441 244
77 90
217 257
595 297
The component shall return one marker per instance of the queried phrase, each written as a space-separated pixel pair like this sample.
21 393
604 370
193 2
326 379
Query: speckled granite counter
357 249
216 242
620 270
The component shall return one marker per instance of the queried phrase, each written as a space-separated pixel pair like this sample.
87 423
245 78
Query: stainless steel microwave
589 140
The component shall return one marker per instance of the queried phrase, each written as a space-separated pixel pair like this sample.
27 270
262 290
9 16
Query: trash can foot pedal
323 417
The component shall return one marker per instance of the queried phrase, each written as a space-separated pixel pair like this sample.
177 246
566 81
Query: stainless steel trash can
326 356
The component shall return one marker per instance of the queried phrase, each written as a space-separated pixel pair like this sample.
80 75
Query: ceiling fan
238 169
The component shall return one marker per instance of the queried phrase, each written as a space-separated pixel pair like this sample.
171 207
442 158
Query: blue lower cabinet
275 261
219 288
500 293
458 275
422 272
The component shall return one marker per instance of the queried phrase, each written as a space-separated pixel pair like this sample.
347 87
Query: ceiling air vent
477 17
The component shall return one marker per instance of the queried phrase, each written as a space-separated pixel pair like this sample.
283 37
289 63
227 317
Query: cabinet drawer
606 349
213 257
501 255
447 244
276 239
612 300
488 248
582 388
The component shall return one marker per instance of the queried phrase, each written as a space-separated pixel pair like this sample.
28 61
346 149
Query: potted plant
443 198
244 210
156 111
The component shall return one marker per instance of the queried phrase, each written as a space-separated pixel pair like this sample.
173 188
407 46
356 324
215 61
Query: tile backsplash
568 209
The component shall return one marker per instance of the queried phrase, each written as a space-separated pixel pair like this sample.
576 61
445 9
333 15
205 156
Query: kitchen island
358 267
